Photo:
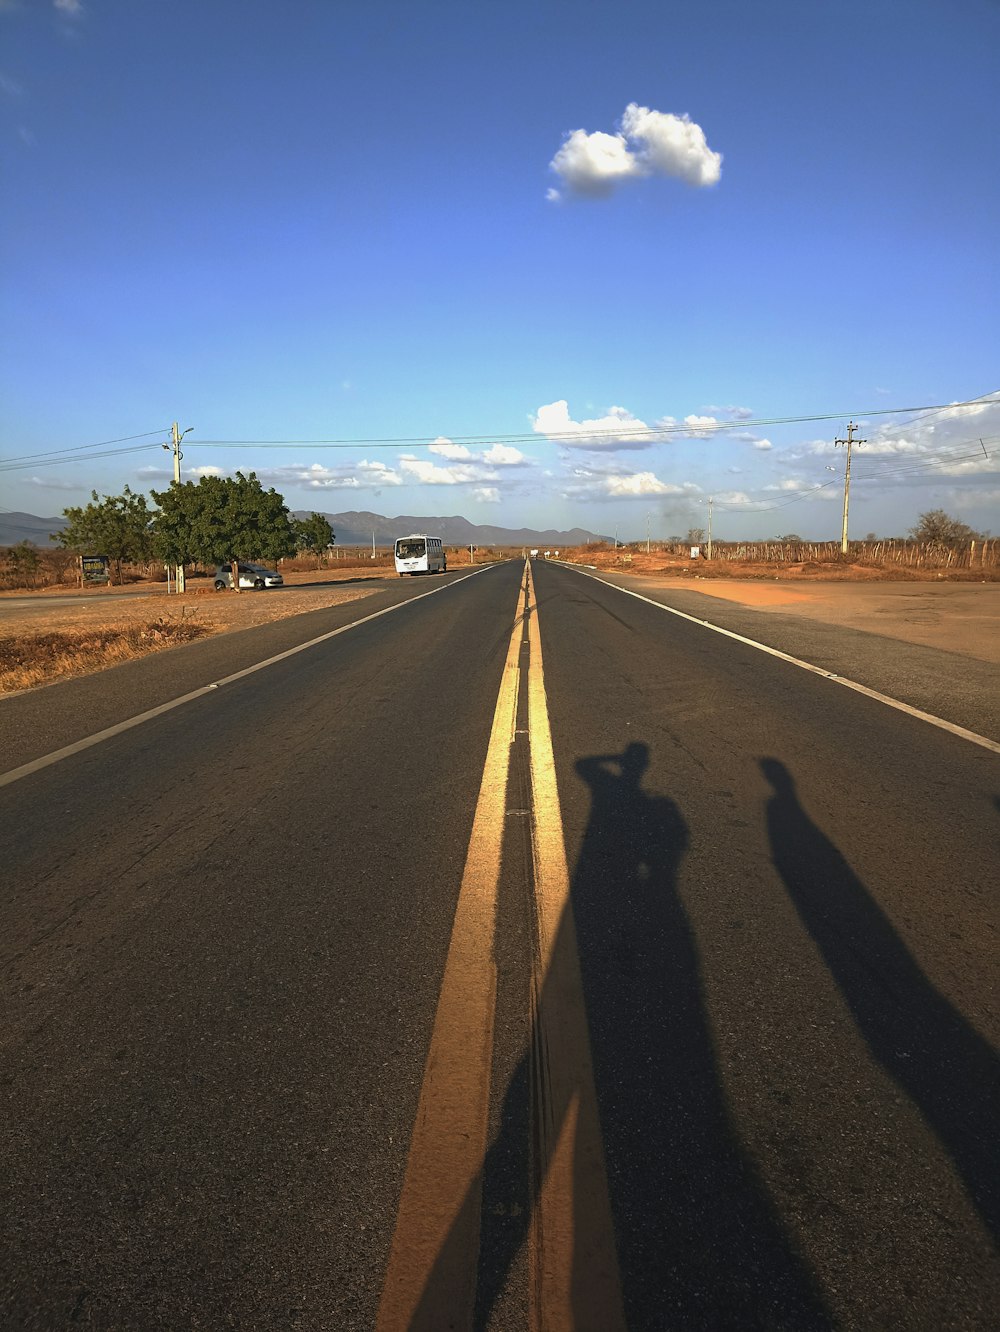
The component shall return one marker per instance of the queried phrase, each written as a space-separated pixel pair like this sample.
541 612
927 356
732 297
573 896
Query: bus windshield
409 550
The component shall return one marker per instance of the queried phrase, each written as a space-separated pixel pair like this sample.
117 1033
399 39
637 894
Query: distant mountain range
353 529
15 527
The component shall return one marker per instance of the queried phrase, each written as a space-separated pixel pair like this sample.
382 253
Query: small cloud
592 165
763 444
53 483
699 427
502 455
639 484
646 143
734 413
486 494
446 449
429 474
72 8
618 430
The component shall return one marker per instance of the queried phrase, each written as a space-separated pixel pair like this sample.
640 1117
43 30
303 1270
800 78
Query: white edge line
15 774
940 722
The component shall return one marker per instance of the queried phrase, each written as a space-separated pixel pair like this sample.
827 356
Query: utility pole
177 436
647 533
711 501
849 441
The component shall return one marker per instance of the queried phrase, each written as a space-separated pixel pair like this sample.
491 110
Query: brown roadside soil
42 642
959 614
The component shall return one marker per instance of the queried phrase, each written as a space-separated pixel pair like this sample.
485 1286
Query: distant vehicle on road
418 553
251 575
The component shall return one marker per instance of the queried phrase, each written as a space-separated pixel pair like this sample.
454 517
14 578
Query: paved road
231 946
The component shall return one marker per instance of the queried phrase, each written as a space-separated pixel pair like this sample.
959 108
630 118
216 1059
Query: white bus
420 554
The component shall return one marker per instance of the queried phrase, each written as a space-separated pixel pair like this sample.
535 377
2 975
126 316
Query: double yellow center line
431 1276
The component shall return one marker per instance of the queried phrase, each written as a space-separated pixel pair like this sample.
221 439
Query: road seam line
430 1280
963 734
36 765
573 1258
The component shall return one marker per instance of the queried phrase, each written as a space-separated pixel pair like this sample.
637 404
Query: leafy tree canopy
117 526
222 518
938 528
313 533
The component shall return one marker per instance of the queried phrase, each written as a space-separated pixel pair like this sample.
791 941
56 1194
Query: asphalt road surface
518 955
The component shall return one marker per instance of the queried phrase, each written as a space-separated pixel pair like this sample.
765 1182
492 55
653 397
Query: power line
55 462
689 430
81 447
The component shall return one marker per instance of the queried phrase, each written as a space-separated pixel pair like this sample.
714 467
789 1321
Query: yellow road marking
430 1281
431 1277
575 1281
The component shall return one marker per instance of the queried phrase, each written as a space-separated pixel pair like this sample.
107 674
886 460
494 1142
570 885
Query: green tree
117 526
936 528
313 533
222 518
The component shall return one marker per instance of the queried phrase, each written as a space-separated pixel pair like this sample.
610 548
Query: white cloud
446 449
647 143
378 474
736 413
699 427
486 494
71 7
597 482
502 455
593 164
618 430
53 483
429 474
671 145
763 445
638 484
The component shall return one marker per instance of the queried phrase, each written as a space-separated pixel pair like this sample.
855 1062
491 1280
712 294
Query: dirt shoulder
956 617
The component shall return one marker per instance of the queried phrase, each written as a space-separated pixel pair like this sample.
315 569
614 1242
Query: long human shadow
699 1241
932 1053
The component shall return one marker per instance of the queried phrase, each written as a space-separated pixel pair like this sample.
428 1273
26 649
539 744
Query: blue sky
537 263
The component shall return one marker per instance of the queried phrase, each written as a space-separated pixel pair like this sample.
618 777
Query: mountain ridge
353 527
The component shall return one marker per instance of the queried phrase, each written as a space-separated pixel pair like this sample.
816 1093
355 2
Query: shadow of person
949 1072
698 1240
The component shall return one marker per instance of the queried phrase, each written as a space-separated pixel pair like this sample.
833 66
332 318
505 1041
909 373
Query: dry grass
30 659
40 643
665 563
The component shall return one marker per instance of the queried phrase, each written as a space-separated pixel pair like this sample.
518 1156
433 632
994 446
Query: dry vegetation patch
41 643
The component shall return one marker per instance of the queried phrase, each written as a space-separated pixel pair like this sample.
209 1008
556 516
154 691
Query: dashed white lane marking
963 734
57 755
